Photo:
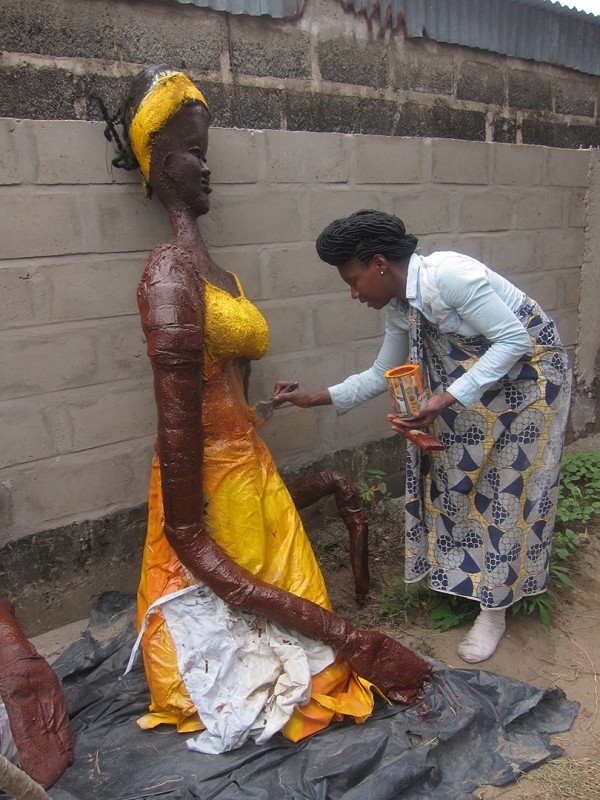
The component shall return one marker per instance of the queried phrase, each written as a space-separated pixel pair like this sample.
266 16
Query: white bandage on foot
482 640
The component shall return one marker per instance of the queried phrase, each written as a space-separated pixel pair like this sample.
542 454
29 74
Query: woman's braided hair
363 235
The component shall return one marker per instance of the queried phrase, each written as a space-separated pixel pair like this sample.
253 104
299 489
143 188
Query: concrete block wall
329 69
76 404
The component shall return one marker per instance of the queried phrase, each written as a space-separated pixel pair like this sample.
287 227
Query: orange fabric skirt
251 515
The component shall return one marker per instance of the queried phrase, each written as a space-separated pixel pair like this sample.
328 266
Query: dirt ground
567 655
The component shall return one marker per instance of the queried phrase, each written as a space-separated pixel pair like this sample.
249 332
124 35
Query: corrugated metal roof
532 29
273 8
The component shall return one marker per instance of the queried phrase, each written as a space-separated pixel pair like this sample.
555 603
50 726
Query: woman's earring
383 272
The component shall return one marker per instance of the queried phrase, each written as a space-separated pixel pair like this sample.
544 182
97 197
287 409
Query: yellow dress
251 515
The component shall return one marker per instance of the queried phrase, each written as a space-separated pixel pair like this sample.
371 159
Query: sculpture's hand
306 491
393 668
35 705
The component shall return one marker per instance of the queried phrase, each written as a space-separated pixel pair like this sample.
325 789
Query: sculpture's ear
169 166
174 167
157 166
164 174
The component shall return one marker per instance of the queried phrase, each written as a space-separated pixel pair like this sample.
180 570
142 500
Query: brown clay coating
35 704
170 299
308 490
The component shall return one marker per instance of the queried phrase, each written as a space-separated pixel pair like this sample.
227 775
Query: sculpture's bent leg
307 491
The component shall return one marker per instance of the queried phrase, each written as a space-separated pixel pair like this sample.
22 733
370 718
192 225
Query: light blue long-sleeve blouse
460 295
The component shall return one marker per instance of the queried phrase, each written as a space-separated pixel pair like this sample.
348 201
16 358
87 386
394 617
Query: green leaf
440 611
545 617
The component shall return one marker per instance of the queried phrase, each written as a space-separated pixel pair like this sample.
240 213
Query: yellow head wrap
169 92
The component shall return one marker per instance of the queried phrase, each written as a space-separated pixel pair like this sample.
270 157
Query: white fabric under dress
255 671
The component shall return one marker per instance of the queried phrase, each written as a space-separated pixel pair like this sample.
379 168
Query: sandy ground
567 655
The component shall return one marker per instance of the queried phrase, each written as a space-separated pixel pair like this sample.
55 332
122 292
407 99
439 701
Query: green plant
400 600
579 492
578 501
446 611
374 493
372 487
404 602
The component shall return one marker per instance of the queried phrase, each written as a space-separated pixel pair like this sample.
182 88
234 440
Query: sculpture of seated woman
224 534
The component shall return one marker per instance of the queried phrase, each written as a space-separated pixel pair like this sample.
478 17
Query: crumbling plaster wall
585 406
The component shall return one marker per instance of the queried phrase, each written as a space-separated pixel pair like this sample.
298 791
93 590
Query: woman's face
178 164
367 283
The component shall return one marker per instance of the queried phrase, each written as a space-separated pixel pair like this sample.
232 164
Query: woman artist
479 514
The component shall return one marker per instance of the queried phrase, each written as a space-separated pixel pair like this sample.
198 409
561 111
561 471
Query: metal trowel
264 408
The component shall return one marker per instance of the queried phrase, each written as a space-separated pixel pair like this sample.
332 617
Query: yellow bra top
234 327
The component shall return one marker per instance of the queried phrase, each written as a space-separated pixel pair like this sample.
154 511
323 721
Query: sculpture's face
178 170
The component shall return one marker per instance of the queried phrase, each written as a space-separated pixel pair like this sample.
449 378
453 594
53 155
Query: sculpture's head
166 120
157 94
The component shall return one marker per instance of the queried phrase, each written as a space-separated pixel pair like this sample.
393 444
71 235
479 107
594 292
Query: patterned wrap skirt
480 514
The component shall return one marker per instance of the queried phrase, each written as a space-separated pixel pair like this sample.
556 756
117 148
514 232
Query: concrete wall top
328 69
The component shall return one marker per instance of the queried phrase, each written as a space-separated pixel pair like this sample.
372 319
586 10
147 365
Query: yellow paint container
406 390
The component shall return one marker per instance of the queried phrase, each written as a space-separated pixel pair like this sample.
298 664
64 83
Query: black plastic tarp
471 728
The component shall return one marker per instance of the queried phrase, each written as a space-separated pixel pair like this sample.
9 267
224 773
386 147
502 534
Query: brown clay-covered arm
171 317
35 704
12 636
308 490
397 671
170 306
